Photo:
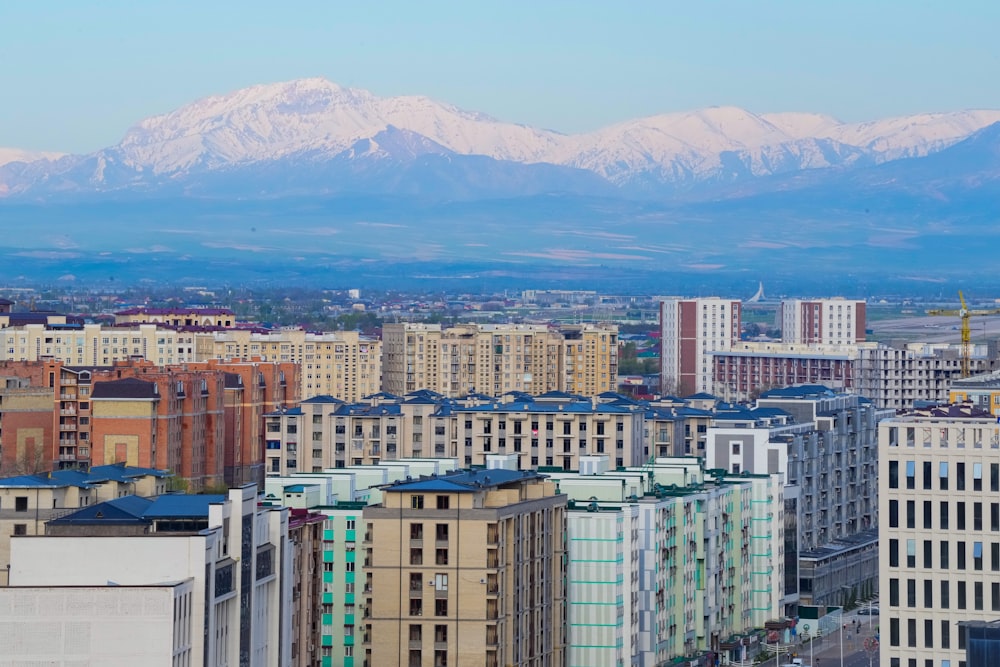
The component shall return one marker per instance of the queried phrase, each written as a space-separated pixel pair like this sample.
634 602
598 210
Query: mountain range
314 137
310 182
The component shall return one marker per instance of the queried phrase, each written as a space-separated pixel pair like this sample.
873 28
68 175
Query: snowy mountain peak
8 155
313 120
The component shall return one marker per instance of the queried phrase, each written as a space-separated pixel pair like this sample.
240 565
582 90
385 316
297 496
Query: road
826 652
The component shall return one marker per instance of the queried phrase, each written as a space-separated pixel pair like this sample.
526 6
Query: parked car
865 611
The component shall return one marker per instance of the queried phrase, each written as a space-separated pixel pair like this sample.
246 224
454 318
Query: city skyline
84 75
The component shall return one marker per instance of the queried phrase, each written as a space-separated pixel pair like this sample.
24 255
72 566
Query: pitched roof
133 388
322 398
465 481
120 511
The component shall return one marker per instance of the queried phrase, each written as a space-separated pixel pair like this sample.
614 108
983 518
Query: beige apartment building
96 345
466 570
939 532
342 364
494 359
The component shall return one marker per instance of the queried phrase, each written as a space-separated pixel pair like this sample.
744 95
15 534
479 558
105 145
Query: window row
967 515
944 594
946 474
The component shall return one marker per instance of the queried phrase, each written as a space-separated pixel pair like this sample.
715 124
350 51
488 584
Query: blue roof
572 407
124 510
121 472
182 506
322 398
701 395
285 411
465 481
41 481
299 488
801 391
117 472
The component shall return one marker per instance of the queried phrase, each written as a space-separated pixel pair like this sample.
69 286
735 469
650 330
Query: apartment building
466 569
179 580
208 416
702 560
743 372
834 321
96 345
305 538
823 445
982 391
28 501
890 376
689 330
494 359
939 537
342 364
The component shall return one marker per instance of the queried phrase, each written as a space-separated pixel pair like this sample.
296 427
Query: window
944 515
416 556
977 588
928 550
928 633
928 593
441 607
928 514
927 475
911 514
943 475
911 553
893 473
21 503
416 633
945 634
977 476
961 594
911 592
416 607
443 502
441 557
995 477
995 596
416 581
894 592
416 531
960 560
20 529
945 593
893 632
416 502
995 556
440 582
977 516
911 475
977 555
894 514
911 632
960 515
893 553
441 532
440 633
995 517
960 476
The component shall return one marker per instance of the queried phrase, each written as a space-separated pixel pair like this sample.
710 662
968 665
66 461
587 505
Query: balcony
67 427
67 457
67 412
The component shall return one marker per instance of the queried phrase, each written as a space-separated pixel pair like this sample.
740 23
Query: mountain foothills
313 137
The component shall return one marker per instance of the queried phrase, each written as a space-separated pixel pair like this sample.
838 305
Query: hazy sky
75 75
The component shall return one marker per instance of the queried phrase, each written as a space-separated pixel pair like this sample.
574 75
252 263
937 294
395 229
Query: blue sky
75 75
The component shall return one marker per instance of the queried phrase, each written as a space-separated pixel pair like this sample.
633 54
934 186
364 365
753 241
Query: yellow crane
966 316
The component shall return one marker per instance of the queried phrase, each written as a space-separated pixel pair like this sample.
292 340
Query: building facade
689 330
835 321
939 479
466 569
494 359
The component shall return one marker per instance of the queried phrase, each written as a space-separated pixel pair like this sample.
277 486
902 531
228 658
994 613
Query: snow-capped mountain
8 155
300 125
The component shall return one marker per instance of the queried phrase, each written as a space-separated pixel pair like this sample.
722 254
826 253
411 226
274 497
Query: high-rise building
342 364
939 532
689 330
466 569
836 321
494 359
823 445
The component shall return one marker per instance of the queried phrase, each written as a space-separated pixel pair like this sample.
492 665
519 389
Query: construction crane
966 316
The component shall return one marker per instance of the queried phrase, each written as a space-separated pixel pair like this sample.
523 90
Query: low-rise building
179 580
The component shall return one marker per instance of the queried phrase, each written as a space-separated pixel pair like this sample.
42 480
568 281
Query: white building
690 329
939 536
836 321
180 580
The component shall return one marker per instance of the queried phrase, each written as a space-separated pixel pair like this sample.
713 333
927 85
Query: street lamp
805 627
